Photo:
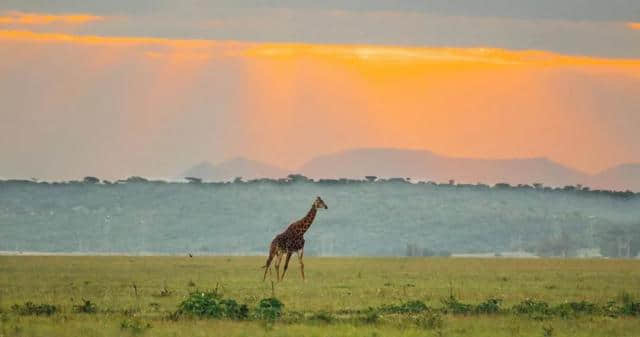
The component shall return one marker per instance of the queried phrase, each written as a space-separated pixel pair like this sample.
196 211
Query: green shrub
629 306
86 308
322 316
29 308
134 325
571 309
611 309
211 304
371 316
269 308
535 309
490 306
453 305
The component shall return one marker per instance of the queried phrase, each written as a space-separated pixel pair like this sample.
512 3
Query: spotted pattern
292 239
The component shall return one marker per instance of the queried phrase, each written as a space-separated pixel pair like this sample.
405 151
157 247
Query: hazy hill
237 167
621 177
425 165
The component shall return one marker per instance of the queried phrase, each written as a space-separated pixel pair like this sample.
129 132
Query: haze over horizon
116 89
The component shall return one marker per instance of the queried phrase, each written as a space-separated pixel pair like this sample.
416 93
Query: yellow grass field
136 295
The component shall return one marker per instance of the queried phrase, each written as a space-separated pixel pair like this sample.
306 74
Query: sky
120 88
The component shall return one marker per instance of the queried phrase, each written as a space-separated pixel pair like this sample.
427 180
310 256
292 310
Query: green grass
136 295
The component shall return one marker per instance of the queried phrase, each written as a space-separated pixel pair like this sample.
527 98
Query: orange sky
171 102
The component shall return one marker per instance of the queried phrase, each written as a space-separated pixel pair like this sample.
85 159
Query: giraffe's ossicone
292 241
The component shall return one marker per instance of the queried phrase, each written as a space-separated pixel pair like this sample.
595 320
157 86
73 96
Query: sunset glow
376 55
20 18
634 25
283 103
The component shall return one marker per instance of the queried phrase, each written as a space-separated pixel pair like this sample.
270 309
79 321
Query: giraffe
291 241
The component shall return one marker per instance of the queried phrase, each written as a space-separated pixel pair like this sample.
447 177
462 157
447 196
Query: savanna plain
226 296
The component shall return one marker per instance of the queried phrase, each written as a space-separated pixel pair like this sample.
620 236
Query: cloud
22 35
21 18
204 48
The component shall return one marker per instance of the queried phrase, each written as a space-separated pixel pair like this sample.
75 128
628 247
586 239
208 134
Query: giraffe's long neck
308 220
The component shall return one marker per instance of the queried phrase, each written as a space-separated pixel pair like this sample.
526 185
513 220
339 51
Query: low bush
269 309
322 316
135 326
211 304
370 316
629 306
87 307
572 309
490 306
452 305
29 308
534 309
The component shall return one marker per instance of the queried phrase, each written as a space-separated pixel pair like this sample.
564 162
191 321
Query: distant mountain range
426 165
231 169
622 177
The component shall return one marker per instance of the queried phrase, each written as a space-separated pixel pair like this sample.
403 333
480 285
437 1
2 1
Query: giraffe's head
319 203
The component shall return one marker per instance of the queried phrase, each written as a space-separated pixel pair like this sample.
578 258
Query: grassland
136 295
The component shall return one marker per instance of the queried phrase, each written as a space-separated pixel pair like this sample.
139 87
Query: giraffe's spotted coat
292 240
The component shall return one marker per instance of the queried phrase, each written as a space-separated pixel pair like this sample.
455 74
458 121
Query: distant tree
412 249
193 180
328 181
136 179
561 245
371 178
620 241
537 186
91 180
298 178
502 185
237 180
428 252
452 182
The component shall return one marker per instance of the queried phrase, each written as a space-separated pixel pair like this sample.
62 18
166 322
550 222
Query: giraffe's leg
300 254
267 265
278 260
286 264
